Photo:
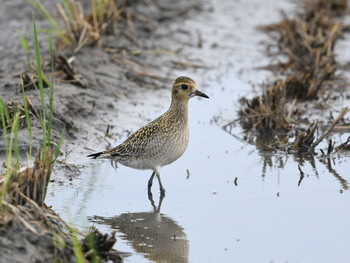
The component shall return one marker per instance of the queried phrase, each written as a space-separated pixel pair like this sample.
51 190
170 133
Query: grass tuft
81 29
29 184
55 26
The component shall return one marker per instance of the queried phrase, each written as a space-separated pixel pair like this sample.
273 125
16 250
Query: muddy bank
22 244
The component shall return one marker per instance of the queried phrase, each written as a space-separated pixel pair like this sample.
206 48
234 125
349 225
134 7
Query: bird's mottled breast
169 142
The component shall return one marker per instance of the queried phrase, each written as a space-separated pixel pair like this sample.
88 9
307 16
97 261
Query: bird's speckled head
184 88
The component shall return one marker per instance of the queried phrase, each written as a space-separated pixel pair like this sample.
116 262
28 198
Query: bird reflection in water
156 236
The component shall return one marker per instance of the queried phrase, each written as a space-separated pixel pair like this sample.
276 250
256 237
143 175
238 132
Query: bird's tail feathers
95 155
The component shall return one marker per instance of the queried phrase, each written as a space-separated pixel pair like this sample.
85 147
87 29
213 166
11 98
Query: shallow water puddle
235 204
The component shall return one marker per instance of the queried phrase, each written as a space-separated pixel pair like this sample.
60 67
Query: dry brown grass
82 29
268 112
306 44
29 183
309 47
23 204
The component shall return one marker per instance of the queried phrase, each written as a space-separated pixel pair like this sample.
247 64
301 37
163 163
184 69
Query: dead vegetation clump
14 107
30 80
345 146
103 247
29 184
267 112
334 8
65 72
309 48
304 45
81 28
62 71
22 192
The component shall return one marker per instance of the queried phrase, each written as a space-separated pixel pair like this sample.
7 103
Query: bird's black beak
200 94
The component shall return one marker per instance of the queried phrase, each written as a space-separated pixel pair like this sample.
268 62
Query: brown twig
330 128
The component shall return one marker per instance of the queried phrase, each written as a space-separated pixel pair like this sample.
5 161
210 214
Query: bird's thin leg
162 190
150 181
161 197
150 198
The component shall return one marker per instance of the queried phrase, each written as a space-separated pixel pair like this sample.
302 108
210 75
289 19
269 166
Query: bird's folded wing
136 144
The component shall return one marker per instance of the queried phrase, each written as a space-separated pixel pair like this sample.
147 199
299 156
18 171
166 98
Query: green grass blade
29 125
77 248
41 86
49 131
57 148
15 129
3 123
7 117
24 42
41 9
68 9
4 128
25 45
91 242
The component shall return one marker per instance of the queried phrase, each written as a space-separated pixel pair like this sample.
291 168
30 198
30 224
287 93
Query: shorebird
161 141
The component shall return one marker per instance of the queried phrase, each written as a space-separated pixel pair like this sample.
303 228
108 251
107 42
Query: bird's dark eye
184 86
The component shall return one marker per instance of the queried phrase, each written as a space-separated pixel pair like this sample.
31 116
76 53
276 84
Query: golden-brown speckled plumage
163 140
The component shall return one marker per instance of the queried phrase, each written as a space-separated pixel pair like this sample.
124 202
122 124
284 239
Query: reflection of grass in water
78 201
278 161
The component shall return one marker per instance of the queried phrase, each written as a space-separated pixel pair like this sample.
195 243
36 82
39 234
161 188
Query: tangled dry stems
307 43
